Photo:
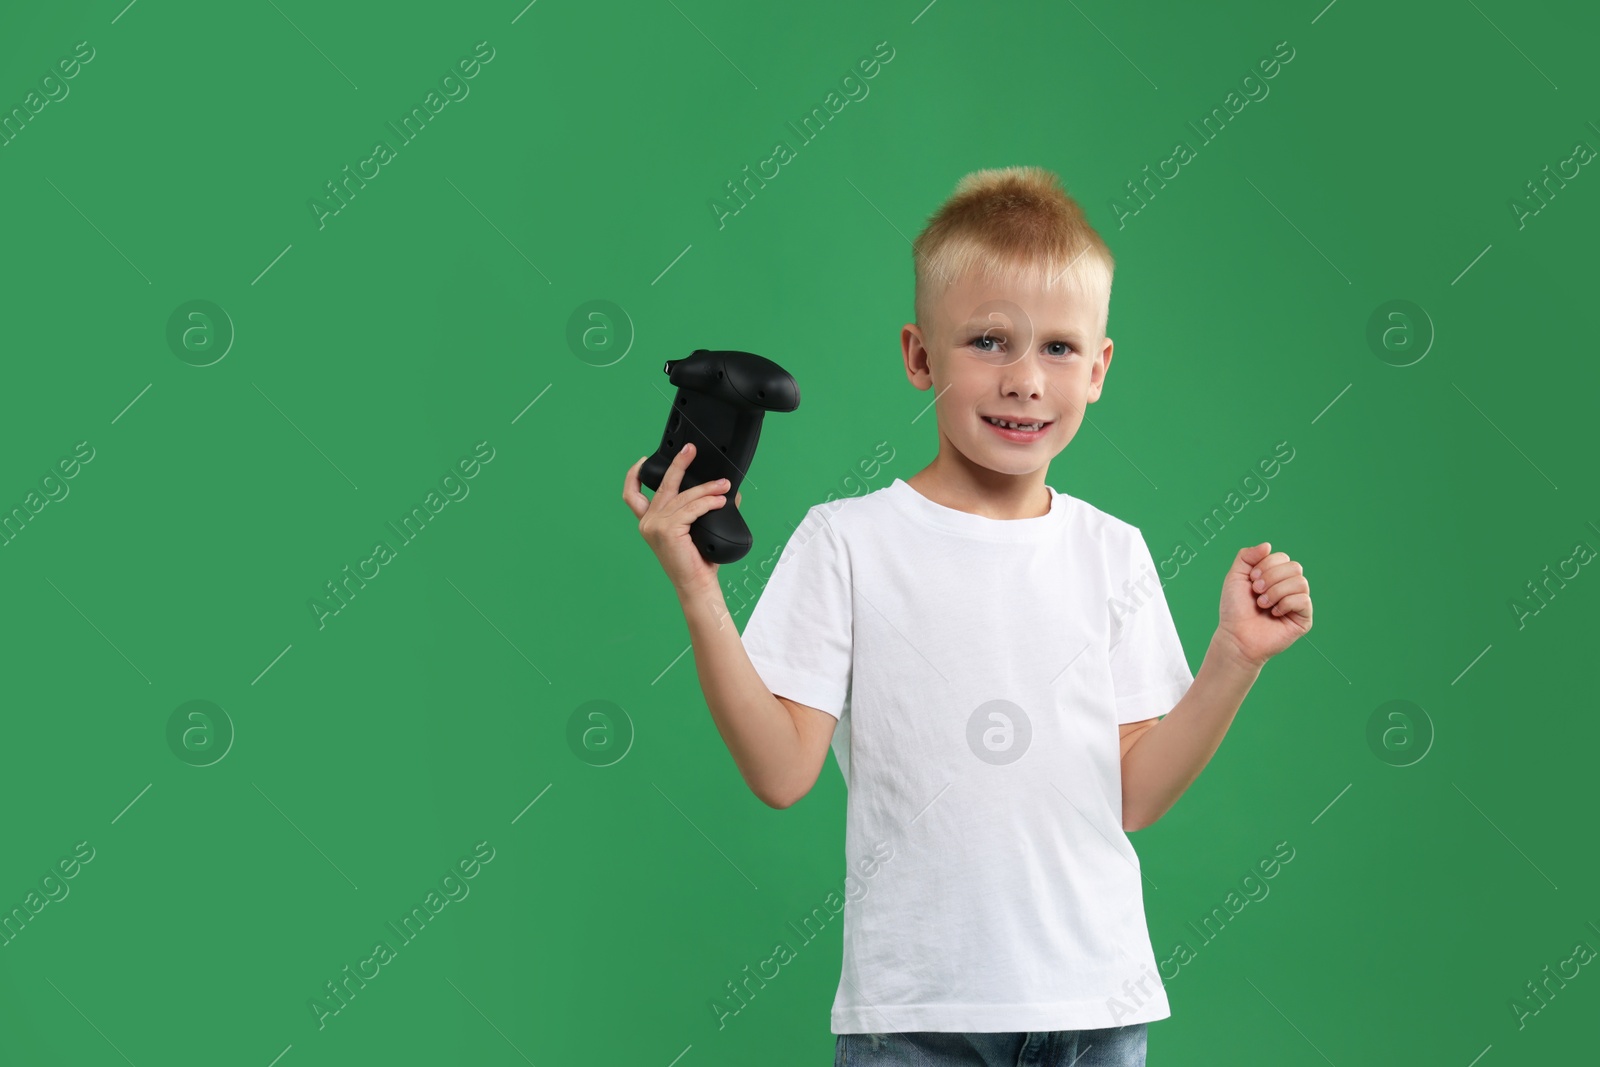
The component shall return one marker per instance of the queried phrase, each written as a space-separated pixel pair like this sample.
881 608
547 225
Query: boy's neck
980 491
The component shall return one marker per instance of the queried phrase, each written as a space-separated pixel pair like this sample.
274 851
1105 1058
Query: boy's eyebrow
1071 333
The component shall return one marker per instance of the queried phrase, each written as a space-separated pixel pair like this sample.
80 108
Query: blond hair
1009 224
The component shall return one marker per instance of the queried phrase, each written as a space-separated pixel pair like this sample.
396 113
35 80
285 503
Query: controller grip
721 534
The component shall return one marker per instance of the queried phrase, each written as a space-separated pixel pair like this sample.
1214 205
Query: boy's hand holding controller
664 522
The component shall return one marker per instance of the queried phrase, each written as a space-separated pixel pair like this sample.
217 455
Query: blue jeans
1117 1046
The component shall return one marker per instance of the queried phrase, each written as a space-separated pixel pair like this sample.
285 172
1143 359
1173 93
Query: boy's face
1012 351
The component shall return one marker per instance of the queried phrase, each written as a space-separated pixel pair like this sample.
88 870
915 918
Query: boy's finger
1298 603
1267 562
680 463
1266 576
1248 559
631 495
1281 590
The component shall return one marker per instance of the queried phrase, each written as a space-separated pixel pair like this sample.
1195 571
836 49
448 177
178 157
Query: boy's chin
1014 466
1015 458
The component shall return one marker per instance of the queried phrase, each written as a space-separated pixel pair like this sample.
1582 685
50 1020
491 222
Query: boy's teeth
1014 425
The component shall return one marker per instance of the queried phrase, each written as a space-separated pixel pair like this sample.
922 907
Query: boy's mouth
1017 431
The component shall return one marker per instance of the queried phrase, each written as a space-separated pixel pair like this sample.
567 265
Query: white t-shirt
979 669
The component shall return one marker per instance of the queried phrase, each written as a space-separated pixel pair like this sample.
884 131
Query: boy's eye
986 343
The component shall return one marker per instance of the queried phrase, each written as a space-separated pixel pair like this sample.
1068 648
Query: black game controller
721 399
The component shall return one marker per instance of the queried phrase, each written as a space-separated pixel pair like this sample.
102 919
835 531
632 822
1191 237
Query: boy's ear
919 370
1097 377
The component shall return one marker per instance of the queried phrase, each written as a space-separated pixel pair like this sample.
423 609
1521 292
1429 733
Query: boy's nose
1023 379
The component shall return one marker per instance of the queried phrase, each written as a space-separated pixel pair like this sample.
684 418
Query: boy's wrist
697 593
706 599
1230 655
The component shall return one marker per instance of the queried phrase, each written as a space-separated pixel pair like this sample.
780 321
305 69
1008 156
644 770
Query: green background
371 753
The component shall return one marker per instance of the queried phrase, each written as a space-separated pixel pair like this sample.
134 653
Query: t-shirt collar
979 526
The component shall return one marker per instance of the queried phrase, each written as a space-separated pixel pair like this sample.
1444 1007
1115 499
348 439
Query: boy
990 661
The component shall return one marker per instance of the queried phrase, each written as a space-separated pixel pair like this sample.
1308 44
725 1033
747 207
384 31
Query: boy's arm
1161 758
1266 607
778 760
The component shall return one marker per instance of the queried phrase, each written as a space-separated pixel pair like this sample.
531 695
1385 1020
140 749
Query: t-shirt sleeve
798 636
1149 672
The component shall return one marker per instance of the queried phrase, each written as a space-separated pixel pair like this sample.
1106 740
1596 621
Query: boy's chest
991 679
1019 618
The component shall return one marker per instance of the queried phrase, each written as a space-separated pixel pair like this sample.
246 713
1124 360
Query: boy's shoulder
1116 541
1103 520
838 518
855 508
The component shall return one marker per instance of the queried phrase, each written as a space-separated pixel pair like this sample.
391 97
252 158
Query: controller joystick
721 399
